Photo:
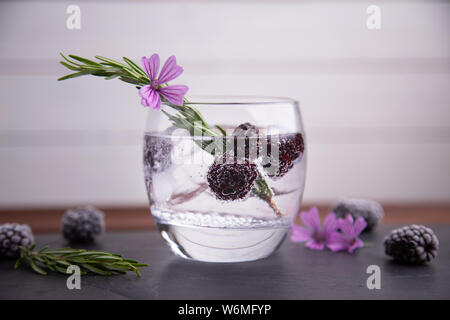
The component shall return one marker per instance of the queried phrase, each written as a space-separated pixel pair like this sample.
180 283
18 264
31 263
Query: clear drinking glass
208 205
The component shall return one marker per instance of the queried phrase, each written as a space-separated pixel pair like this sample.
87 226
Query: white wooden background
376 104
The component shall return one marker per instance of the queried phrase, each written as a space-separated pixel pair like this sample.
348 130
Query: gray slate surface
293 272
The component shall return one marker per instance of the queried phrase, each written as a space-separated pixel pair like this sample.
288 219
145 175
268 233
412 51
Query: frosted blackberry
157 152
82 225
13 235
246 142
230 180
290 148
414 244
371 211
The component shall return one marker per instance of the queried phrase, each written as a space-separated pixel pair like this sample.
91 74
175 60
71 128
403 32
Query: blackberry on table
414 244
12 236
82 225
370 210
291 147
230 179
246 141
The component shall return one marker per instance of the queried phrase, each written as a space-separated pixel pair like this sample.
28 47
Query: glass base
221 244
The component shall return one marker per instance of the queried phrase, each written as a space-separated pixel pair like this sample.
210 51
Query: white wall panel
359 100
227 30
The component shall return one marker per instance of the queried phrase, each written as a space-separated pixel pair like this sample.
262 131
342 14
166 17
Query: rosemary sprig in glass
185 117
97 262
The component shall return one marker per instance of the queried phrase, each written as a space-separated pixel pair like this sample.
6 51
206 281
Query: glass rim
237 100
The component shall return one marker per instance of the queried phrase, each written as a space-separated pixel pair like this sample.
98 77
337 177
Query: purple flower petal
174 93
328 236
337 242
150 98
337 246
151 66
357 243
145 92
300 234
313 244
346 225
349 219
359 226
311 219
144 102
170 70
330 224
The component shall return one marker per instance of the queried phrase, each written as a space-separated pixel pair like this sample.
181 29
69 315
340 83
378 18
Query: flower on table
335 234
151 94
316 237
348 238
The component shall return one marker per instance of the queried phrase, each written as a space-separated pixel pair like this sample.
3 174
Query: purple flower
348 239
151 94
317 238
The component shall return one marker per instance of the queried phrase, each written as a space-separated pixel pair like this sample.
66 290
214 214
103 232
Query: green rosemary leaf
106 258
135 67
131 73
129 80
52 267
110 61
111 77
37 258
188 113
120 266
199 115
89 253
130 260
222 130
84 60
43 249
76 260
36 268
91 68
69 61
24 251
64 251
101 73
261 187
121 263
63 263
60 269
68 66
73 75
17 264
48 261
95 270
140 264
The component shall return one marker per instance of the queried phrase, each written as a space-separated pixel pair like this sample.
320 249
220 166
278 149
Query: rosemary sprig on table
186 116
98 262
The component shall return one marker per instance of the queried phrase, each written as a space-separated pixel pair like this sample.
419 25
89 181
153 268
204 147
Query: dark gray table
293 272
